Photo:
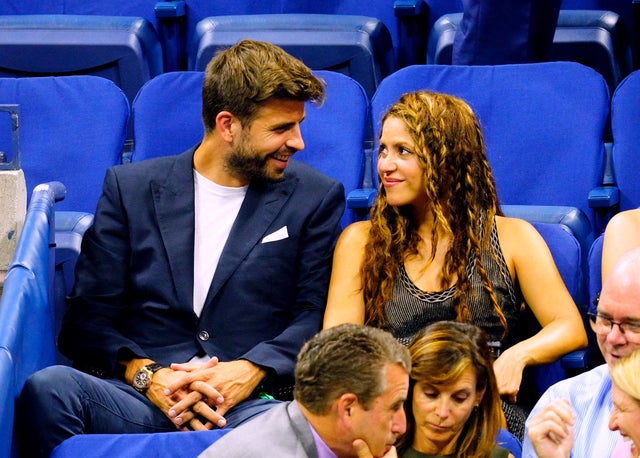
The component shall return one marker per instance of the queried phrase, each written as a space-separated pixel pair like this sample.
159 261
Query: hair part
348 358
241 78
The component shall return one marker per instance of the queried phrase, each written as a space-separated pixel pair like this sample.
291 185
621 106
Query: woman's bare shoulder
513 228
356 233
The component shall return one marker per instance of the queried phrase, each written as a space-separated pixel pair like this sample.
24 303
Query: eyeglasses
603 325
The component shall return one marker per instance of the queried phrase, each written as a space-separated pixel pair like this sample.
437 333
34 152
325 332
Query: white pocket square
277 235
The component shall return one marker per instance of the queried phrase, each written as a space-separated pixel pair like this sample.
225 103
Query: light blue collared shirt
590 396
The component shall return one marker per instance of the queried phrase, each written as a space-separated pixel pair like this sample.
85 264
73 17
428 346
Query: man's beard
245 163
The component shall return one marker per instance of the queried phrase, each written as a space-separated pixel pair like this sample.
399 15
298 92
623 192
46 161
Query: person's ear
226 125
347 405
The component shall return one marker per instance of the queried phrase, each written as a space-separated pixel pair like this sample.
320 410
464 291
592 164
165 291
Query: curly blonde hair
462 198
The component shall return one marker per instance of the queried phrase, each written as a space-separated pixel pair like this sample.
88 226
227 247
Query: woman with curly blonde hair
438 248
453 405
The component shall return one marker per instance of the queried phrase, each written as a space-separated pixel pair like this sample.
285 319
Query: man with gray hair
351 382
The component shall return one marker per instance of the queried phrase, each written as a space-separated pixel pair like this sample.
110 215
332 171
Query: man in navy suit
203 273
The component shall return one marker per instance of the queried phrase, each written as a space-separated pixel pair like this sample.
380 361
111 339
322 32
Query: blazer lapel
260 207
174 205
302 430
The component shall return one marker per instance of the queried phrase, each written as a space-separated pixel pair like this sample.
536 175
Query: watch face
141 380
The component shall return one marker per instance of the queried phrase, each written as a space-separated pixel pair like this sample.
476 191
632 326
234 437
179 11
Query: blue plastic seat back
381 9
625 119
334 134
623 8
543 124
567 255
167 120
509 441
142 8
596 38
125 50
358 46
167 115
72 129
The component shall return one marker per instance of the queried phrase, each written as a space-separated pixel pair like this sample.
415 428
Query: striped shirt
590 396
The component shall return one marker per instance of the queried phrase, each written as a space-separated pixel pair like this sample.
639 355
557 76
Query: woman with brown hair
453 406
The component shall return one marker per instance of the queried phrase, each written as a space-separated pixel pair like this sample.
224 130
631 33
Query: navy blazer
133 295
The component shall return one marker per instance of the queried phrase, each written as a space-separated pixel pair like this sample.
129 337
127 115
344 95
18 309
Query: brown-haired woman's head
453 405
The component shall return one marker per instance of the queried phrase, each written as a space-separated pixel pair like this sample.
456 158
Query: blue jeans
59 402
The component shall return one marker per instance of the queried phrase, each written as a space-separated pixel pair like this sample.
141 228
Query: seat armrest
361 198
413 30
170 8
577 359
72 221
604 197
403 8
171 16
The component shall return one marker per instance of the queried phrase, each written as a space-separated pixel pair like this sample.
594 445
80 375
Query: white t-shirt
216 209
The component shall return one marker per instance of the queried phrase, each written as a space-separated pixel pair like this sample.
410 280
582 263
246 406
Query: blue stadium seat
158 445
71 129
568 256
26 314
595 270
595 285
358 46
625 119
70 226
7 402
598 39
543 125
405 21
166 115
167 17
167 120
125 50
507 440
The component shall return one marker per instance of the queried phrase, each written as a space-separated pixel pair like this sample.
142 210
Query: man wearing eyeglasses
616 323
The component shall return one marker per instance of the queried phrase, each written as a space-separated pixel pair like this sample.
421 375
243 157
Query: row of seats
543 125
409 21
129 50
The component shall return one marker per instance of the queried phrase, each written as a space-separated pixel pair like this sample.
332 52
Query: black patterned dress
412 309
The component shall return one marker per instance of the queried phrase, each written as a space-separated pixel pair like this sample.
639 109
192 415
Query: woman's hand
508 369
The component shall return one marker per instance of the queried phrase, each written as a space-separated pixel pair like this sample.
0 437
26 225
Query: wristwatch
142 379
